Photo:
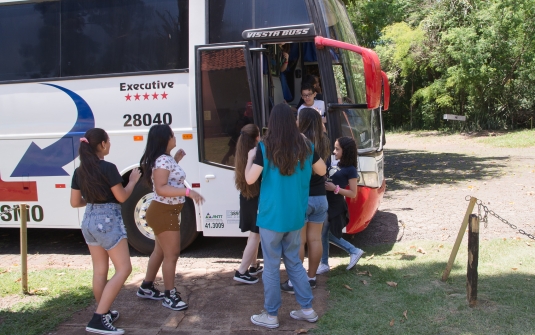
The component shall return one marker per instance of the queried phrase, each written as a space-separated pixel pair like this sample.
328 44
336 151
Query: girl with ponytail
97 185
249 138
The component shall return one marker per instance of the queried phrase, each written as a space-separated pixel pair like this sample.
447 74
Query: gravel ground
429 175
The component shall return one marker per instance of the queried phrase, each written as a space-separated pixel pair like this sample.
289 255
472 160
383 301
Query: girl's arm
351 193
252 171
76 199
123 193
319 167
161 177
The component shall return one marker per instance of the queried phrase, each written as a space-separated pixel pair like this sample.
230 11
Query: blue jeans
286 245
103 225
327 237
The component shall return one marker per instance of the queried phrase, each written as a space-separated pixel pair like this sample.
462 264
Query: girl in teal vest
285 159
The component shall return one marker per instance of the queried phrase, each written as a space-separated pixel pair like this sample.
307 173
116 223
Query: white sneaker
263 320
322 269
354 258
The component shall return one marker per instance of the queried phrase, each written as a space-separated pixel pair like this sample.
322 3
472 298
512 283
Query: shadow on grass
409 169
43 317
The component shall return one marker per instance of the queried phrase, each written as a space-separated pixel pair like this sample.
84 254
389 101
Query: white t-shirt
176 179
319 105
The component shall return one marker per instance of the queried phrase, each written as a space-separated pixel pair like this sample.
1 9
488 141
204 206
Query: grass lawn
516 139
506 295
55 294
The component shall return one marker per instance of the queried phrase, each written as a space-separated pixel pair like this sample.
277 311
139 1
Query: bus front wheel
140 235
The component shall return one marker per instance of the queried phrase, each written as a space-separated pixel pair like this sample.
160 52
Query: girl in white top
170 194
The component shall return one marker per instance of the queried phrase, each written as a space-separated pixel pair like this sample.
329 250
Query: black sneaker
112 316
290 289
173 301
150 293
245 278
254 270
287 288
100 324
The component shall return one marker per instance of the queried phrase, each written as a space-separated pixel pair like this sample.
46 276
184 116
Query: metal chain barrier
15 207
484 218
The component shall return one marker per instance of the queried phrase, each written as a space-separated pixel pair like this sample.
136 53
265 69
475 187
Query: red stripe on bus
18 191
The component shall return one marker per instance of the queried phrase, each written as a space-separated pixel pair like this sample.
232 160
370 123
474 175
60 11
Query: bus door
226 101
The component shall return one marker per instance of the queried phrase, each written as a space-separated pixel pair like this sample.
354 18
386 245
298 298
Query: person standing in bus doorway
249 138
315 82
285 159
97 185
311 126
162 171
283 67
308 94
342 172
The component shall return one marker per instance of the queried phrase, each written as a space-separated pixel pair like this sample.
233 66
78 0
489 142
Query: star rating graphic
146 96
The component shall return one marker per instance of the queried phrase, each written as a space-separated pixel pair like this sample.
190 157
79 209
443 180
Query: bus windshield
364 125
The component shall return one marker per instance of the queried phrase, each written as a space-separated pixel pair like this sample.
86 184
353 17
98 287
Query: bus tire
140 237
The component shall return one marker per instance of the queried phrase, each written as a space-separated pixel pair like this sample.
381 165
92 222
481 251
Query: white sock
309 279
307 312
290 283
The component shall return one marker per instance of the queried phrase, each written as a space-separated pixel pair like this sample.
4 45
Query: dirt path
428 177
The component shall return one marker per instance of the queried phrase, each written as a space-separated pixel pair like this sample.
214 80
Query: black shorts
248 212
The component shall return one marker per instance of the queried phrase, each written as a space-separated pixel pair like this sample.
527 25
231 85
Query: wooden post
464 224
473 255
23 249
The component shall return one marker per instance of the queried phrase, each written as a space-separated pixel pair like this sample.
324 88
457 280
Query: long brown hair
247 140
285 146
349 152
157 139
311 125
89 177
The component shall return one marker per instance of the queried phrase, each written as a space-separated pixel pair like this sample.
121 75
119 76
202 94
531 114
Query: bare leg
169 241
100 260
120 257
250 253
315 248
155 261
255 258
303 242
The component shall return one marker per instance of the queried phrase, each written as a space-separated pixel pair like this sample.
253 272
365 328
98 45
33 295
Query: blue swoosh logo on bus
49 161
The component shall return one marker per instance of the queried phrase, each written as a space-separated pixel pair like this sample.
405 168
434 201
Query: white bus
205 67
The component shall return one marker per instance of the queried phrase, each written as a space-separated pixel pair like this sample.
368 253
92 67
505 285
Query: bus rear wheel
140 235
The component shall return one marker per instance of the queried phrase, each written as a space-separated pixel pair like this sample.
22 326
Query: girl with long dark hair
285 159
97 185
342 172
311 125
249 138
161 170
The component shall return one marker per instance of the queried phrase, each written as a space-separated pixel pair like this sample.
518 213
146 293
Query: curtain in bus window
29 40
226 102
117 36
229 18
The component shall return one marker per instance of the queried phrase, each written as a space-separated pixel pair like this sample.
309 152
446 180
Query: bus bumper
363 207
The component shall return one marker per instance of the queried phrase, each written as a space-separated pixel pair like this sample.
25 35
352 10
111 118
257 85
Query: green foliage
467 57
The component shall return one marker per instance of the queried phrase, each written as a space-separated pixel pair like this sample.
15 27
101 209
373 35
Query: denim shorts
317 209
103 225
